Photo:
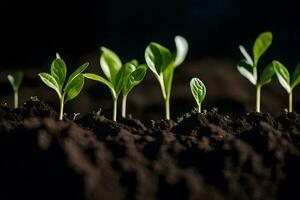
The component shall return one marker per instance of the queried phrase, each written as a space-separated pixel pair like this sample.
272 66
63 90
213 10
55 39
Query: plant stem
199 108
16 100
115 109
124 100
167 106
61 111
291 101
258 89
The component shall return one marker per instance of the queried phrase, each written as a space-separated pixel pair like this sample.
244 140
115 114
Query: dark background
32 31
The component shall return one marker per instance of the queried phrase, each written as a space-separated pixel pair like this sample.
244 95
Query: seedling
248 66
199 92
163 63
66 90
283 76
133 75
15 80
111 66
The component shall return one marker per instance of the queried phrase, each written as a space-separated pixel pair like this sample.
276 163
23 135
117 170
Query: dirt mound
202 156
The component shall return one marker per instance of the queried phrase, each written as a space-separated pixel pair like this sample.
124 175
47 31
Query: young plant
163 63
15 80
111 66
66 90
133 75
248 66
198 90
283 76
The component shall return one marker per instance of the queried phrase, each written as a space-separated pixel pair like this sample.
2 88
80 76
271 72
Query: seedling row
121 78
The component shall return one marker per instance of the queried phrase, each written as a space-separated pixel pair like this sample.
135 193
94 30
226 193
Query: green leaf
266 75
262 43
101 80
127 69
168 79
282 75
15 80
122 76
135 78
57 55
76 73
296 76
50 82
247 71
182 47
198 90
158 58
134 62
246 55
110 64
59 71
74 88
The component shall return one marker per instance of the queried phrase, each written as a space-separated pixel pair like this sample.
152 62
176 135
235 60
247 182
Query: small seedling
133 75
34 98
163 63
199 91
15 80
111 66
75 115
248 66
66 90
283 76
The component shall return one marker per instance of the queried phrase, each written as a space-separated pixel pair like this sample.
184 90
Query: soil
199 156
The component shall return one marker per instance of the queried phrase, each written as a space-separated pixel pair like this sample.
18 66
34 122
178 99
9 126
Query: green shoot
111 66
283 76
163 63
198 90
66 90
248 66
133 75
15 80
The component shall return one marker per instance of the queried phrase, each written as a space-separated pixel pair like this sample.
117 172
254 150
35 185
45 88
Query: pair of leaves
57 79
119 77
247 71
283 76
162 62
133 75
198 90
15 80
248 66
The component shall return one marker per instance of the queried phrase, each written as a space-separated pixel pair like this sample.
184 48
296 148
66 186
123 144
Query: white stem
61 111
16 100
124 102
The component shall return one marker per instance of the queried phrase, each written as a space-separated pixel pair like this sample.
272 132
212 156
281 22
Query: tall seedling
248 66
111 66
66 90
163 63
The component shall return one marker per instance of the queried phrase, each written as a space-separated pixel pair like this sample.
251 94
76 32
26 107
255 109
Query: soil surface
198 156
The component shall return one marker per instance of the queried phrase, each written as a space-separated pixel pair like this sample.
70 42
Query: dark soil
201 156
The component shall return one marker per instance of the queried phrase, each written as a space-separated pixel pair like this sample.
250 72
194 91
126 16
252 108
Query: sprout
133 75
15 80
283 76
163 63
57 81
119 78
248 67
198 90
111 66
